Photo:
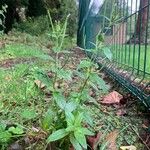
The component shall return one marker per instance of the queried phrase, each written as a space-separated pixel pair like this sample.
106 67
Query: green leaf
88 118
75 143
93 85
59 99
79 74
64 74
17 130
101 37
2 127
85 64
107 53
48 119
5 137
96 80
57 135
43 77
80 137
70 107
104 146
86 97
46 57
71 128
70 118
1 106
79 119
28 114
87 132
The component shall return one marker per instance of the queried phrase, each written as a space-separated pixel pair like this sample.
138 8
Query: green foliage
61 8
34 26
2 18
47 120
28 114
67 125
57 135
69 7
108 53
7 134
17 130
25 51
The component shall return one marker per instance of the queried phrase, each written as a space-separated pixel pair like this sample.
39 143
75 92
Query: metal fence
131 48
130 44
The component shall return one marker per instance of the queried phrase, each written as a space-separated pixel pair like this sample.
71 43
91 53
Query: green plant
67 119
34 26
8 133
2 18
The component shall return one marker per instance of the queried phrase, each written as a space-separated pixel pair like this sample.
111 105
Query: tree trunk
141 24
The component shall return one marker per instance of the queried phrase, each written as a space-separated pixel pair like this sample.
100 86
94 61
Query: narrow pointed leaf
75 143
87 132
79 135
57 135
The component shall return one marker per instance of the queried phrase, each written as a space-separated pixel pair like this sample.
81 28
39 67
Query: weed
67 115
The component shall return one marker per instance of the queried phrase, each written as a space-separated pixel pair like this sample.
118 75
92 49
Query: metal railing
129 41
130 44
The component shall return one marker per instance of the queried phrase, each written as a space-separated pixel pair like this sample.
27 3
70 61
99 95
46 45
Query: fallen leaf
128 147
112 98
93 141
8 78
121 112
2 45
39 84
111 139
35 129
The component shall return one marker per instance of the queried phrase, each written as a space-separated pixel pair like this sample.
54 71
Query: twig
140 138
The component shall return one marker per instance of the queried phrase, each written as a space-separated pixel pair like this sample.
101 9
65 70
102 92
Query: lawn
133 56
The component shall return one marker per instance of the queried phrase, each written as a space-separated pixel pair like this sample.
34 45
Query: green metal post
83 9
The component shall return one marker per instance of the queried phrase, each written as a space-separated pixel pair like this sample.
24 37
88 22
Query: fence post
89 23
83 9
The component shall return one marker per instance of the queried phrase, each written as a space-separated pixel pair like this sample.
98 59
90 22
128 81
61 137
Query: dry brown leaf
2 45
121 112
111 139
39 84
93 141
112 98
8 78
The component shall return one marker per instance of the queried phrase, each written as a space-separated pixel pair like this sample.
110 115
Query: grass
22 51
23 103
131 54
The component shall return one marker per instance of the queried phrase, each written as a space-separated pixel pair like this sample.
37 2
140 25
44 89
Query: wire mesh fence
129 40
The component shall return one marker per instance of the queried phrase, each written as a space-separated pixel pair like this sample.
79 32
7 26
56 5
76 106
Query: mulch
11 62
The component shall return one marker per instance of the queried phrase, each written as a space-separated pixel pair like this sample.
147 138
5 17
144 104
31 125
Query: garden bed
24 105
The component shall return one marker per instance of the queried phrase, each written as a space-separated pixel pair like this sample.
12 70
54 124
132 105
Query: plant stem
85 83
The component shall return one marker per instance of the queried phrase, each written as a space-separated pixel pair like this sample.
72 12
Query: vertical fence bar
126 32
115 28
134 37
146 41
120 29
130 26
122 32
124 14
139 40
